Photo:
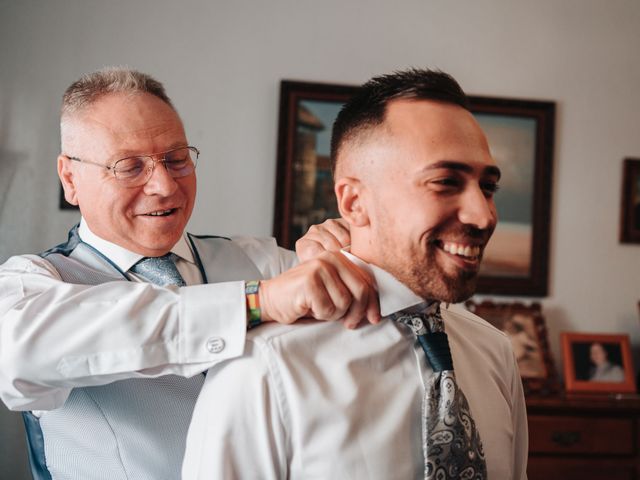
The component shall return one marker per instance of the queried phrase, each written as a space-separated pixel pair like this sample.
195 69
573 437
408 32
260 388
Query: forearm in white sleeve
55 336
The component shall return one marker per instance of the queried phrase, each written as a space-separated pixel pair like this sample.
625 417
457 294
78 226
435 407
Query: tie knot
160 270
421 319
426 323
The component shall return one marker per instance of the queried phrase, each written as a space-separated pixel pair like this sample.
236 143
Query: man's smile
160 213
471 252
464 255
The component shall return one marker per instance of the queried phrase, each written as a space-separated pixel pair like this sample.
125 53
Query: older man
415 181
103 338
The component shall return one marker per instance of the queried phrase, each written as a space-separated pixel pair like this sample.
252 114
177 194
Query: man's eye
447 182
490 188
176 164
129 167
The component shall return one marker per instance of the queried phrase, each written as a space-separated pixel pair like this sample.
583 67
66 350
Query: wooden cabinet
584 437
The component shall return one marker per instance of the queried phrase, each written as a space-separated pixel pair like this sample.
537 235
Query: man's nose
160 182
477 210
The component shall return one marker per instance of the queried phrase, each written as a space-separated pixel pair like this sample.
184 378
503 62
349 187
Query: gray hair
88 88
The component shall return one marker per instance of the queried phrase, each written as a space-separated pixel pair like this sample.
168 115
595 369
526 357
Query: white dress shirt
47 346
318 401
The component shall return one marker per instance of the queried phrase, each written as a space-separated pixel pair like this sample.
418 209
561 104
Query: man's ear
68 179
350 193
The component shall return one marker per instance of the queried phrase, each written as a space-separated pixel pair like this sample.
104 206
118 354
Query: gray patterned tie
159 270
450 441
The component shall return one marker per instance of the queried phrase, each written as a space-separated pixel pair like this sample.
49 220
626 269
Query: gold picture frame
525 326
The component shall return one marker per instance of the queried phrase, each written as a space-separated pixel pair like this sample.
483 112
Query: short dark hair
366 109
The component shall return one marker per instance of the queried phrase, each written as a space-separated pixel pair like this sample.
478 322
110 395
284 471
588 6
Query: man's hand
331 236
329 287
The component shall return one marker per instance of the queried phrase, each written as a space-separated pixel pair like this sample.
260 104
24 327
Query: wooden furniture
584 437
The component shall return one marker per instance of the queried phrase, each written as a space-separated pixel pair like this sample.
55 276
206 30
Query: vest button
215 345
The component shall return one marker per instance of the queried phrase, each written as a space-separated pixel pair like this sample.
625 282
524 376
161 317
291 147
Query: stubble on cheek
420 265
426 277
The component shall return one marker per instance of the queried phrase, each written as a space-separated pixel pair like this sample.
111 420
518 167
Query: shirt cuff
214 322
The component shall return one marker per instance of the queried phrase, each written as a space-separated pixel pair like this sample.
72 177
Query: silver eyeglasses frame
149 163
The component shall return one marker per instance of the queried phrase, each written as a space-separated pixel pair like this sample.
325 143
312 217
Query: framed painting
520 134
630 207
521 139
525 326
597 362
304 185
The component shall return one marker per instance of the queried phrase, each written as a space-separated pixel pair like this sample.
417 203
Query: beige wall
222 61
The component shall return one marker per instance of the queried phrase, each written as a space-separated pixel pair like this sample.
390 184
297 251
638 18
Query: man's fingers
307 249
323 303
327 288
328 242
363 295
363 306
321 237
339 230
331 236
337 300
373 308
356 312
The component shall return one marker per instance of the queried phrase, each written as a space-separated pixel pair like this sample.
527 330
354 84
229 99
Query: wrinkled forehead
123 119
124 110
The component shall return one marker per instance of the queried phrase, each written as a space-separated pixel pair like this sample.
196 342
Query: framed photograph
597 362
526 328
520 134
630 208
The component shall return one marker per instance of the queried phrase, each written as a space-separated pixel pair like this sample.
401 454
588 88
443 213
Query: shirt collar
125 259
394 295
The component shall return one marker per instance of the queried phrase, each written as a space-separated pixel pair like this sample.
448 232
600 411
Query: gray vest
130 429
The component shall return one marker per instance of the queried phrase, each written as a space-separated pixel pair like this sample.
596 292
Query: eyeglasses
136 171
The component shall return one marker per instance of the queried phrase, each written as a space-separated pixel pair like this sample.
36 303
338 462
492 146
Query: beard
428 280
418 268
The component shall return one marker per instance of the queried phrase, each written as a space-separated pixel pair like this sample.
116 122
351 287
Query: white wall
222 61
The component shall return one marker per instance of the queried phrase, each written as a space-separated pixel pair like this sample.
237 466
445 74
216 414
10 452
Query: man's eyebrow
134 153
491 170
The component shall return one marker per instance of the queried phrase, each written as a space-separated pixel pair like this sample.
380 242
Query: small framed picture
630 208
525 327
597 362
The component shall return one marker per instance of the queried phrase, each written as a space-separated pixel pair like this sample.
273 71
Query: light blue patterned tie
159 270
450 440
